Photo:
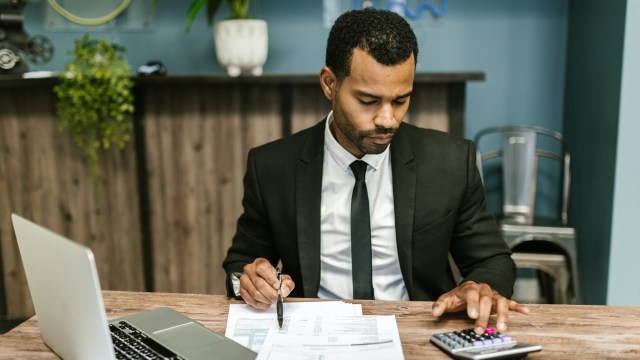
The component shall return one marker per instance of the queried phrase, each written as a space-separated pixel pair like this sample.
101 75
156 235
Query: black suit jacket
439 209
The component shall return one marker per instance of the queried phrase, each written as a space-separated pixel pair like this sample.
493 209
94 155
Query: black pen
279 308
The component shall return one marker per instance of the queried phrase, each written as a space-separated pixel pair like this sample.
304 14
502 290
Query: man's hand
481 301
259 284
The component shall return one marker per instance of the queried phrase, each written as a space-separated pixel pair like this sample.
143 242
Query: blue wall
520 45
624 284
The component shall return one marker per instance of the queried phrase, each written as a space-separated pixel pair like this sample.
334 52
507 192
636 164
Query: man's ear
328 82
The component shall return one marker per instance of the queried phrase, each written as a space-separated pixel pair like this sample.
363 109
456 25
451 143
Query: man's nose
384 117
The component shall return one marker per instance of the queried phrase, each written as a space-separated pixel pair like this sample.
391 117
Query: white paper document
249 326
327 337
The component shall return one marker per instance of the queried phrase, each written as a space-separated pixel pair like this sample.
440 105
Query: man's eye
367 102
400 101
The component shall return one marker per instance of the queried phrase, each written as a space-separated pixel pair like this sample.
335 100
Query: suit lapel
308 195
403 167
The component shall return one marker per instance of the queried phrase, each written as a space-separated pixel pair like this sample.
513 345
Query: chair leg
546 284
553 267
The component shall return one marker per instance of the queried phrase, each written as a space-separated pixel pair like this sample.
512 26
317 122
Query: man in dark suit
423 196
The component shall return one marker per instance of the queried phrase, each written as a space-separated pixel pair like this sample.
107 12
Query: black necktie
360 234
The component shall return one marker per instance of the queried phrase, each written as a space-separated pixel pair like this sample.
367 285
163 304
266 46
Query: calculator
466 344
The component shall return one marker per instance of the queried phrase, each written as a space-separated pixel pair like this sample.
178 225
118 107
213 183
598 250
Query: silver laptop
66 295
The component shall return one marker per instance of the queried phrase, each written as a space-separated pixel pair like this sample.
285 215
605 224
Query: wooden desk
564 331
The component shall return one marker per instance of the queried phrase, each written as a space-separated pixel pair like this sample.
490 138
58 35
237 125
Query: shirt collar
345 158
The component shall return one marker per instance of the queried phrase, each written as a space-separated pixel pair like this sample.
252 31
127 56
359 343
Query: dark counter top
8 81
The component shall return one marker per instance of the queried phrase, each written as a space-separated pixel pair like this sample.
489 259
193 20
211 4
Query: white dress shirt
335 226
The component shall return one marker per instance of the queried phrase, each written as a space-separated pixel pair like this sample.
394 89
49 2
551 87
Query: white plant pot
241 45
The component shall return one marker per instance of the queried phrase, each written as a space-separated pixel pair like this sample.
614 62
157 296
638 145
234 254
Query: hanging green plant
95 102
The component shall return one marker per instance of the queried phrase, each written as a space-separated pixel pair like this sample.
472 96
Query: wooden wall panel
175 159
43 178
309 106
197 142
429 106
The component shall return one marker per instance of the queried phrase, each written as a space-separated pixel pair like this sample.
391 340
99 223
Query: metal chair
516 151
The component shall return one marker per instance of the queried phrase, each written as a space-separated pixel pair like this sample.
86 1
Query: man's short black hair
383 34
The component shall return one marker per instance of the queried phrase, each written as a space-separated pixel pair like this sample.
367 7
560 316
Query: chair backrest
520 149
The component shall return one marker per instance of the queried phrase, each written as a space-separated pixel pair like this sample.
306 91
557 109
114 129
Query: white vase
241 45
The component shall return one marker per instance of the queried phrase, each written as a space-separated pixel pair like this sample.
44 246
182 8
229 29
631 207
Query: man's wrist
233 284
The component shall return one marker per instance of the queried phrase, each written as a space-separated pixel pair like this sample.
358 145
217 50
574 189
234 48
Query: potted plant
94 99
241 42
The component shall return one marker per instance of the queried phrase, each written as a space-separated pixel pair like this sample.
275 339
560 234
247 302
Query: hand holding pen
259 284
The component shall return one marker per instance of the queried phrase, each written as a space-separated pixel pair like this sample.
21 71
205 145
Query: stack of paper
325 330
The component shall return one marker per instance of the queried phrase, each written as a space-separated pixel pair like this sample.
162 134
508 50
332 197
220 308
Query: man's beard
357 137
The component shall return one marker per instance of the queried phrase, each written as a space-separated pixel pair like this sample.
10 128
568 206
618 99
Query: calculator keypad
467 339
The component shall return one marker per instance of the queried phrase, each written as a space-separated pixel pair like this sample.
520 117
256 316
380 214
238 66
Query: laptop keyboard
130 343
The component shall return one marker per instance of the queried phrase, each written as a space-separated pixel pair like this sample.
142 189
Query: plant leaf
194 9
212 9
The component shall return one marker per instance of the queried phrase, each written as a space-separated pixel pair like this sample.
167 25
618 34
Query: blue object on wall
406 11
